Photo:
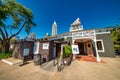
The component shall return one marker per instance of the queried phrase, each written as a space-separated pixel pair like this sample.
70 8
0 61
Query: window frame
103 50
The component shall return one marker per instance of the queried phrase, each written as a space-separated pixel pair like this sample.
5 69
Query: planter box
68 60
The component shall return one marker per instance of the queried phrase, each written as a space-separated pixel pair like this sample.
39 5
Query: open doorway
85 46
58 49
82 48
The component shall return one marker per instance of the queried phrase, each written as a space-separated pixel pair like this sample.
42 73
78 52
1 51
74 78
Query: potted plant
67 55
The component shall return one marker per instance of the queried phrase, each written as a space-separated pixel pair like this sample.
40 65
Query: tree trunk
6 46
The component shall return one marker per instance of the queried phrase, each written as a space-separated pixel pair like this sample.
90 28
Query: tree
22 18
115 33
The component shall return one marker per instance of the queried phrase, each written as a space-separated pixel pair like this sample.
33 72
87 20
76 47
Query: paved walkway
25 72
81 70
88 59
49 66
78 70
12 61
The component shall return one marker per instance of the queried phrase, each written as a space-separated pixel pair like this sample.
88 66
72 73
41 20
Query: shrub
5 55
67 51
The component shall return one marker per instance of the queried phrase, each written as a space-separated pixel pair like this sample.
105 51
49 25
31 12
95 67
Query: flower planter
68 60
67 55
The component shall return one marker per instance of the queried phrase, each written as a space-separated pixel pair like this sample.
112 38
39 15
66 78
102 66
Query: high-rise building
54 29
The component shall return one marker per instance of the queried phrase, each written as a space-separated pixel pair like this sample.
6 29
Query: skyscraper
54 29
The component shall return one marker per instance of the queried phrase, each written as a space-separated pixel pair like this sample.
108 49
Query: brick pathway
88 58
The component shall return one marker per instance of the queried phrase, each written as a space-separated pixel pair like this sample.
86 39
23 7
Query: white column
61 55
62 49
97 55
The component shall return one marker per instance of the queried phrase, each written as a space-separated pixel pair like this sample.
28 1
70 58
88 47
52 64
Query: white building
54 29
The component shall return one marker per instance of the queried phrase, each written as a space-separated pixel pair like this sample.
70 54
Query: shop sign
75 49
45 46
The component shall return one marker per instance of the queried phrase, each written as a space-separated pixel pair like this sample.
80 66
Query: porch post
61 55
74 55
97 55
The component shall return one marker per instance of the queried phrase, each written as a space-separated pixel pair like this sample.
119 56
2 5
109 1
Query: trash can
37 59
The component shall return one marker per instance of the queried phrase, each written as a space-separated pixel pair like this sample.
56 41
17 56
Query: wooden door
89 48
58 49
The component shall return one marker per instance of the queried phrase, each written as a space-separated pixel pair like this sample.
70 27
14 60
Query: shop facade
92 42
96 42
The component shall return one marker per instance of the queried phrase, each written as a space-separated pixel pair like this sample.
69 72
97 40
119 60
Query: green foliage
21 19
116 47
67 51
18 13
5 55
115 34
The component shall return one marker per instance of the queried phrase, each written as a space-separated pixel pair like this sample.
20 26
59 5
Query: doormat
88 58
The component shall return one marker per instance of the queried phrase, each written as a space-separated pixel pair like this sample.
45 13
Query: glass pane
99 45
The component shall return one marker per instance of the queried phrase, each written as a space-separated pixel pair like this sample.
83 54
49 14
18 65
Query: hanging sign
75 49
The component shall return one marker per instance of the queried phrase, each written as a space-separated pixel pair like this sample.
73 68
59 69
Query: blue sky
92 13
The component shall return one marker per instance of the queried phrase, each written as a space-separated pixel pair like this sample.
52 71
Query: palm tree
21 16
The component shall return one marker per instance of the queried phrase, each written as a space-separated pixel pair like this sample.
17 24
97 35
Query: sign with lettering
45 46
75 49
90 33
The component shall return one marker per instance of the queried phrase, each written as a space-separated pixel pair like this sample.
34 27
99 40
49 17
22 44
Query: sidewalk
78 70
84 70
25 72
12 61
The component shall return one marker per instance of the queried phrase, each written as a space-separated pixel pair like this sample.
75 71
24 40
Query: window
100 46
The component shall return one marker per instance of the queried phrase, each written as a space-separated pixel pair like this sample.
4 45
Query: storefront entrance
58 49
85 46
82 48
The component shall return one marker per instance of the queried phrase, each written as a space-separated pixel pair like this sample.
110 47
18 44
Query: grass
5 55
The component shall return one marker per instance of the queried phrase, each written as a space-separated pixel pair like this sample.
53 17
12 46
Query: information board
45 46
26 52
75 49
